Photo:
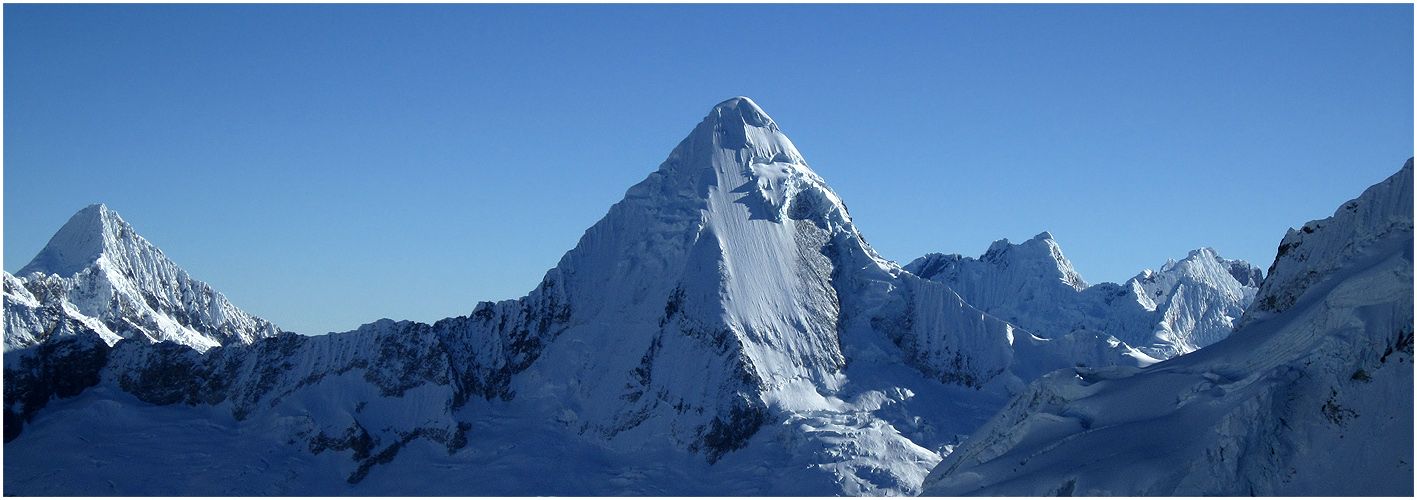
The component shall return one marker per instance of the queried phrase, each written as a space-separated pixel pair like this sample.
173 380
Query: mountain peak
96 270
744 110
1204 252
1039 258
740 127
88 235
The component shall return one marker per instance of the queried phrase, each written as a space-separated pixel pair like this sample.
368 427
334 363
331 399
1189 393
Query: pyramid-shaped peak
92 218
741 129
88 235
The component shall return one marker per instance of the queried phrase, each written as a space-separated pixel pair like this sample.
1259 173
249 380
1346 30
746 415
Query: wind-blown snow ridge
1312 395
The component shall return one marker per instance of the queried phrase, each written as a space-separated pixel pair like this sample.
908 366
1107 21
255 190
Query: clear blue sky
328 165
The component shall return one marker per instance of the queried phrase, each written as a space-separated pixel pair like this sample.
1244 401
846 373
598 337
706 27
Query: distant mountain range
726 330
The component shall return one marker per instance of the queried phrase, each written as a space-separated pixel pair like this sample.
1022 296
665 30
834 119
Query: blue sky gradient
328 165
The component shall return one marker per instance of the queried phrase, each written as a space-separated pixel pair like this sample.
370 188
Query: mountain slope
1312 395
724 329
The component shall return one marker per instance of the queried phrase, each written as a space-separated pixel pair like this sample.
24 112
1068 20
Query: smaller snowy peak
1044 240
88 235
997 248
1203 265
1030 284
1245 274
1040 258
98 271
1191 303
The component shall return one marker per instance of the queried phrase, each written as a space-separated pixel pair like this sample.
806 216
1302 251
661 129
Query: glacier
1311 395
725 329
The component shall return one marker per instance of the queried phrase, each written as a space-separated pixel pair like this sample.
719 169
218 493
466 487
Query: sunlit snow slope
1311 396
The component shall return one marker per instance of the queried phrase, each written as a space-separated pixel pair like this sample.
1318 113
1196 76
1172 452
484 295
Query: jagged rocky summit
1311 395
1185 306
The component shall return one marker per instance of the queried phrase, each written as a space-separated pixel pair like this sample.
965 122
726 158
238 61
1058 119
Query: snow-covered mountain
95 283
1312 395
1185 306
724 329
99 272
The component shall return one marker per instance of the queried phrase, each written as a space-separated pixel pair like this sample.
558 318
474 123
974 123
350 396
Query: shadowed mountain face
724 329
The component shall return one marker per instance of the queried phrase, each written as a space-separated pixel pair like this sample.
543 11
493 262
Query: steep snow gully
723 330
